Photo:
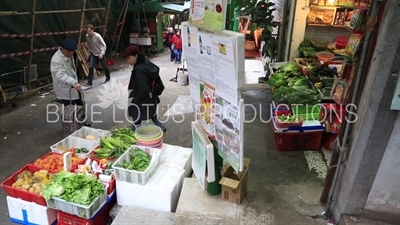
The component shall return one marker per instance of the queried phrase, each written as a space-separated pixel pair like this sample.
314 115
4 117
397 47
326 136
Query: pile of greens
283 75
306 48
296 95
77 188
139 161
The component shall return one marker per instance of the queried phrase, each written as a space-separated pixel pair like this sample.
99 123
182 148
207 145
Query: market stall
86 173
147 26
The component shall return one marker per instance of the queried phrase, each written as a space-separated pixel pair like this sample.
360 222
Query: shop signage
209 14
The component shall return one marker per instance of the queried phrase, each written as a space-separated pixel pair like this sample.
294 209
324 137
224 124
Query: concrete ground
281 189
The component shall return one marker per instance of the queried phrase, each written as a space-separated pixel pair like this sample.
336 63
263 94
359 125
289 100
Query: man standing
177 41
97 49
64 76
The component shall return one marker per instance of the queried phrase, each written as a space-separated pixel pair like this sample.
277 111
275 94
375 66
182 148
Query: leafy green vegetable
296 95
139 161
77 188
277 80
289 67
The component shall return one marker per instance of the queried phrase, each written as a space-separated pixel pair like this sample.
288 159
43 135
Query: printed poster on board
207 108
210 14
228 129
190 53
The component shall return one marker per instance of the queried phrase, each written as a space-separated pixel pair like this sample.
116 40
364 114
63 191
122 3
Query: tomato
59 163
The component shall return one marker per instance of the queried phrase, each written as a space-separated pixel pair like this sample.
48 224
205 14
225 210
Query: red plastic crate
101 218
22 194
298 141
286 125
56 171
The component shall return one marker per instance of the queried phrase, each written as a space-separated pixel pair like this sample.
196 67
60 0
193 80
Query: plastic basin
150 138
148 131
149 143
341 42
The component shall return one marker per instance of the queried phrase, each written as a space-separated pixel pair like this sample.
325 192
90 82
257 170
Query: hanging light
171 16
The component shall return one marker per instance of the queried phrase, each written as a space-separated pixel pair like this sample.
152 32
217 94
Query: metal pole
343 142
236 19
32 39
290 29
105 22
282 32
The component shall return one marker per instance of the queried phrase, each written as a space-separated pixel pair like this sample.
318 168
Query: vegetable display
289 119
32 182
75 188
299 95
114 146
306 48
139 161
54 162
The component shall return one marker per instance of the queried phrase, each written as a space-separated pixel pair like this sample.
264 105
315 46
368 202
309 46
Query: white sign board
215 64
203 156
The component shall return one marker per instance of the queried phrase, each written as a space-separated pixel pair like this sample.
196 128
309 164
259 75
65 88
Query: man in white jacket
97 49
65 81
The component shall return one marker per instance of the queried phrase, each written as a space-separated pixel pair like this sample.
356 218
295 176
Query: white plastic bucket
182 78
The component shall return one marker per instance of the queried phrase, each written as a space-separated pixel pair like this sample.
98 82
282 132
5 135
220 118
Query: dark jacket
142 104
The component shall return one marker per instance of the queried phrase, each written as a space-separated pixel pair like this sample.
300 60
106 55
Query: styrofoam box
132 176
24 212
74 142
85 131
161 193
86 212
177 156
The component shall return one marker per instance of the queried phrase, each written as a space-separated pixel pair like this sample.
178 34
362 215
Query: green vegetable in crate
288 68
76 188
289 118
277 80
139 161
81 150
298 82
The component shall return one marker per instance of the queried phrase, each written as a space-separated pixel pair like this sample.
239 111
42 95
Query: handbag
173 47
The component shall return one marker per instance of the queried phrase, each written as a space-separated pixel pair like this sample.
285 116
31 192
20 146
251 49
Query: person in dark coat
142 103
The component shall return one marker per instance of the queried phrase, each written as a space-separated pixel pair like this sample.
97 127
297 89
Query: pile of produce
139 161
306 48
75 188
299 95
287 75
54 162
115 145
290 118
32 182
322 76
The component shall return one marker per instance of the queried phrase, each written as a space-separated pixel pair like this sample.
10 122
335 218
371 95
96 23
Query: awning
176 7
150 6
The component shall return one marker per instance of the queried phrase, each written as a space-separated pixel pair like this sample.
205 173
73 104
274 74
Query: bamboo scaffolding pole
81 27
82 20
105 22
32 39
16 13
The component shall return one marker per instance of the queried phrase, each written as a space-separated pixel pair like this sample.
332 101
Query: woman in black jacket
142 103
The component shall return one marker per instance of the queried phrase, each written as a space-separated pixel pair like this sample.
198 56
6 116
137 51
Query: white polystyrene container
23 212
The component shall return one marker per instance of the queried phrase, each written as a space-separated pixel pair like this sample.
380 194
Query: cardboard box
234 185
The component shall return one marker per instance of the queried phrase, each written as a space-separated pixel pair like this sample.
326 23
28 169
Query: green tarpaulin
150 6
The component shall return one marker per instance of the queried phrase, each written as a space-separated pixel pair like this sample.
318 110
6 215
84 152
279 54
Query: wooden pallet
83 64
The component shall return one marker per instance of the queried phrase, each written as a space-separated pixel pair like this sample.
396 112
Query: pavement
282 189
